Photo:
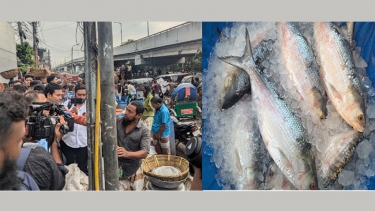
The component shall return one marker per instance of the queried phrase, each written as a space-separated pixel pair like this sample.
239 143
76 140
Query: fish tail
246 59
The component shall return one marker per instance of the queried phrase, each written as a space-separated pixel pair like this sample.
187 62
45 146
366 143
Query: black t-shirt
43 168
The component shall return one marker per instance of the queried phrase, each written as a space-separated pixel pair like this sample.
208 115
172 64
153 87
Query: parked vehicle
184 130
177 77
139 82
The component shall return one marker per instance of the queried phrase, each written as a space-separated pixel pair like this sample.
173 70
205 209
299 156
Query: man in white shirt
74 144
132 91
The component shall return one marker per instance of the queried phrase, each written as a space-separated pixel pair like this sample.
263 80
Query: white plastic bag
76 180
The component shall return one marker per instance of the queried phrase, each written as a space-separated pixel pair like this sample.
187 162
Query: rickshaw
184 101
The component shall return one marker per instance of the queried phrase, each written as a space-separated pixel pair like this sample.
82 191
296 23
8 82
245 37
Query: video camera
42 126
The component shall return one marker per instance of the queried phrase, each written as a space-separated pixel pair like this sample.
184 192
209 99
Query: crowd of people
29 164
38 164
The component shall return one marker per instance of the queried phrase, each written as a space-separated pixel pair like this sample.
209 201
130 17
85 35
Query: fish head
355 110
236 85
306 168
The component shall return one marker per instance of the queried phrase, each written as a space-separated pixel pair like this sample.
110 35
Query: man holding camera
74 144
47 169
54 93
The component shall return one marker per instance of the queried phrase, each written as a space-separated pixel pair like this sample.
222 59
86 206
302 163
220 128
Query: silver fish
282 132
340 149
338 74
303 70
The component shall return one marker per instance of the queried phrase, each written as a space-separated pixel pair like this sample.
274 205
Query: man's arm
162 128
149 106
55 152
141 154
78 119
58 177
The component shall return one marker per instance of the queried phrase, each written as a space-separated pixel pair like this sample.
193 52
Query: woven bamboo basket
39 72
154 161
9 74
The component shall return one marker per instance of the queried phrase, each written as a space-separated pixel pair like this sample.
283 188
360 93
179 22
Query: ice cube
361 169
346 177
366 161
364 148
366 82
369 173
371 111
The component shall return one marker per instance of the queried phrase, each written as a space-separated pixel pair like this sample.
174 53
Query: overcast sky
59 37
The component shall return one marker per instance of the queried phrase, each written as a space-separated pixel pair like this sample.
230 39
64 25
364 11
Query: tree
129 41
25 56
195 63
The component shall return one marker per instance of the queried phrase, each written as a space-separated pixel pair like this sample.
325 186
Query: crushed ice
223 129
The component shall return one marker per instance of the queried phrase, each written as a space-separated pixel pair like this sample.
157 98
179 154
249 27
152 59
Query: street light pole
71 72
121 31
148 32
107 106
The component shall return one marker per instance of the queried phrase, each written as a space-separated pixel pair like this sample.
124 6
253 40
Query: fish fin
350 27
335 93
284 159
235 61
239 61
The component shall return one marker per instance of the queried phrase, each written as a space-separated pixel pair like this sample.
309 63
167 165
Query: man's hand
74 110
122 152
67 80
158 136
58 134
80 80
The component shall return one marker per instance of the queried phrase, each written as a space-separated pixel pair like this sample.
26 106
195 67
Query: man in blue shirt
160 127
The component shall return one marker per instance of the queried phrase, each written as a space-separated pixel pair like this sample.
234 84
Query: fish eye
313 186
360 117
271 174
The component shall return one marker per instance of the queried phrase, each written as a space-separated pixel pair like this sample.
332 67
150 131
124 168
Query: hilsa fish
303 70
338 74
340 149
282 132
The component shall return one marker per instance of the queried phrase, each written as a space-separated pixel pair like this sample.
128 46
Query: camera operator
74 144
53 93
47 169
13 113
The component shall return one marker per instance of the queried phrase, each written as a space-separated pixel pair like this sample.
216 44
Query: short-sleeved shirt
161 116
137 139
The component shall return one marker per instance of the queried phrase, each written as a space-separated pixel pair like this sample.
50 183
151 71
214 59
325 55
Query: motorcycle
184 130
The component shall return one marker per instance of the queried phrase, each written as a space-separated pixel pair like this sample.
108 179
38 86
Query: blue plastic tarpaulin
364 36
